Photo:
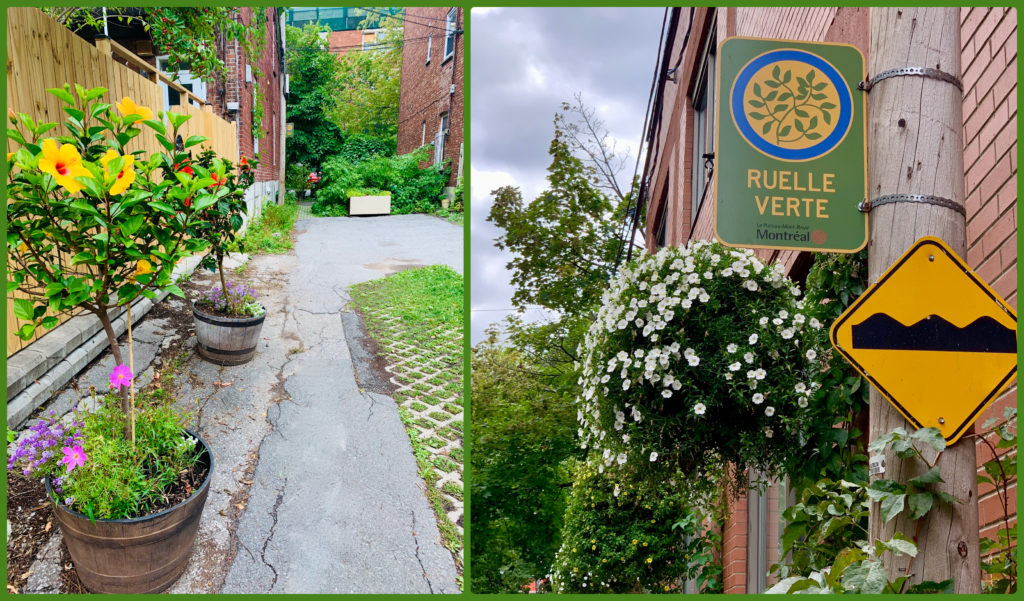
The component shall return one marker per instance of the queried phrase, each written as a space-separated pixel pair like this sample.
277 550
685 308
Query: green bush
296 177
413 190
360 147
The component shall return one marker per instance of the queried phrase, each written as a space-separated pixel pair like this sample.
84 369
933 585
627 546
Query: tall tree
367 101
314 81
523 446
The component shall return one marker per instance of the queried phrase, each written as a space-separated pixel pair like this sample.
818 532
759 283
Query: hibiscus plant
91 223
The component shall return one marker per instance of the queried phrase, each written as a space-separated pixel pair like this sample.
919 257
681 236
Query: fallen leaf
246 482
26 575
11 589
240 506
48 526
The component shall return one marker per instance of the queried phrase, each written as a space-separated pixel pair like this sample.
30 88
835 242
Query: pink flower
121 376
73 457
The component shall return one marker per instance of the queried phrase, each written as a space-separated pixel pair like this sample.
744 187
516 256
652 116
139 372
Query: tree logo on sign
791 105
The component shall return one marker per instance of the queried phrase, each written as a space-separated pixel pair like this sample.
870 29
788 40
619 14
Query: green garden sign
790 158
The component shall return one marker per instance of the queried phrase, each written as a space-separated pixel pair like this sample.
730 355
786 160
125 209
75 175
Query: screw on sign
932 338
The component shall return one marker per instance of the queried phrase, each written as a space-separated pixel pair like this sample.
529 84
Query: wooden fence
42 53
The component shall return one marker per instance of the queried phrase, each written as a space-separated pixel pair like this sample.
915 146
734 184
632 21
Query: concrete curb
35 373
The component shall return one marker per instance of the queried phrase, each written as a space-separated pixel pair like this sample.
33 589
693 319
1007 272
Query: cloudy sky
525 63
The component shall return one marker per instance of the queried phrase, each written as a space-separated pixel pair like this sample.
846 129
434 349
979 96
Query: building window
449 34
703 100
442 133
423 136
430 44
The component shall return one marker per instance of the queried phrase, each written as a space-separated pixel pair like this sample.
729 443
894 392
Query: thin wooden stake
131 369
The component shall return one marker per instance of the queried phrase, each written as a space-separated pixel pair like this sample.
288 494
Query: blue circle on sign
826 145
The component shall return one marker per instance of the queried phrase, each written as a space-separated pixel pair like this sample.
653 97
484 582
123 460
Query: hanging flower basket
697 355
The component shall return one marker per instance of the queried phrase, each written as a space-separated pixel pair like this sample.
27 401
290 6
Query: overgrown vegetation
271 232
412 189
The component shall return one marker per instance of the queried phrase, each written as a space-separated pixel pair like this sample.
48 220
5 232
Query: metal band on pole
939 201
916 71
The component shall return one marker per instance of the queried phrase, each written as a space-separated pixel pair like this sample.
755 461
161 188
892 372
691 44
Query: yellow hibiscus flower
127 174
64 164
143 267
127 107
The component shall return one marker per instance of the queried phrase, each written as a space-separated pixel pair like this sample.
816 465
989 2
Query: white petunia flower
666 393
654 455
812 354
621 458
734 366
732 348
753 338
704 297
750 285
748 357
699 408
693 360
768 432
625 384
762 322
801 387
760 373
787 333
815 323
769 411
758 398
802 401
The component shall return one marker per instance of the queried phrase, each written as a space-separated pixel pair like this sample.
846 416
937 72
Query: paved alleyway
315 487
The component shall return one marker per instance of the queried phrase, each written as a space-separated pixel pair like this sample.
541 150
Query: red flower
188 202
184 167
244 164
217 181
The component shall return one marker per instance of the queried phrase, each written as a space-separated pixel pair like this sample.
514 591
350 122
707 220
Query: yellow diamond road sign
933 338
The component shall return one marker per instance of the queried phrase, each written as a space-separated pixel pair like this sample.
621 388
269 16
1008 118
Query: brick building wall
989 63
989 73
426 88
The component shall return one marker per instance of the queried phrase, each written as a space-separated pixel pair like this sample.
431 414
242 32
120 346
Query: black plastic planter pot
140 555
227 340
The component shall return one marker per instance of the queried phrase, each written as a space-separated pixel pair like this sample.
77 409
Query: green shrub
360 147
413 190
296 177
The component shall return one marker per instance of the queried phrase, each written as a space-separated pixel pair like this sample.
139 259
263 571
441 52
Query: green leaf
785 131
810 75
930 477
161 207
776 71
193 140
758 116
767 127
175 290
78 115
780 107
819 87
930 436
757 90
801 113
891 506
799 125
25 332
929 586
813 136
50 321
827 105
24 308
64 95
919 504
771 95
15 135
756 103
903 448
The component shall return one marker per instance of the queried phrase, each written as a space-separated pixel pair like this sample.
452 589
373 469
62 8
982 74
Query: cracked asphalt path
336 504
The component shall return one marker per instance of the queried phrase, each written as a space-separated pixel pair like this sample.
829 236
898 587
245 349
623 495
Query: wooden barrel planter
227 340
140 555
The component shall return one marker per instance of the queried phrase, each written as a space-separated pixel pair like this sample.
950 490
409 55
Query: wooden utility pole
915 146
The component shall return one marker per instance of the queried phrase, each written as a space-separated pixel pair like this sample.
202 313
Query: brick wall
342 42
426 87
989 63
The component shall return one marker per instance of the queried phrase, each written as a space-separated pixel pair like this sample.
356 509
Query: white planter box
370 205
